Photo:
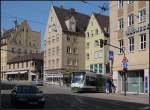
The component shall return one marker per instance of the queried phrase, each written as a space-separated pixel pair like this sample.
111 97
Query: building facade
97 57
64 42
27 67
18 41
129 29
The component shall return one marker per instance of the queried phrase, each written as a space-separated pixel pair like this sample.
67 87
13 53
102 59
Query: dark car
38 82
27 95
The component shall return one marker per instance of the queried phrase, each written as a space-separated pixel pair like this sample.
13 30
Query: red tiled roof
103 22
81 19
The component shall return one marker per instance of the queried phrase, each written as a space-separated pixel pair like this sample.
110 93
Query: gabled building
97 57
18 41
64 41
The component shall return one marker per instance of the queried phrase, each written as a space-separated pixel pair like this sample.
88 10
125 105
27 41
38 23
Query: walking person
108 86
113 87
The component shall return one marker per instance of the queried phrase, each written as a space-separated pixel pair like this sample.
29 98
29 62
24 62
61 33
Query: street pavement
62 98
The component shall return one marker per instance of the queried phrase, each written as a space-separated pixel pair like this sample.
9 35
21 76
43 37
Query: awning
22 72
32 73
11 73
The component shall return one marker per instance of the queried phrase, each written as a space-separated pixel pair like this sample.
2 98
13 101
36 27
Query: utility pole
124 62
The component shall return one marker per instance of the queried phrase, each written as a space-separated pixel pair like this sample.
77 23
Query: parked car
38 82
27 95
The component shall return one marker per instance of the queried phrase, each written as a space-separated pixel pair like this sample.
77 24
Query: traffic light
101 43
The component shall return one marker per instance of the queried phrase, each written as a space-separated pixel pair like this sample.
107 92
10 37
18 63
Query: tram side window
90 81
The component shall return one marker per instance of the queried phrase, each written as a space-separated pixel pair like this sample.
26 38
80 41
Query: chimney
72 11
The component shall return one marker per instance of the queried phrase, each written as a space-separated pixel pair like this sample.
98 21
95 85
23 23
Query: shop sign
132 30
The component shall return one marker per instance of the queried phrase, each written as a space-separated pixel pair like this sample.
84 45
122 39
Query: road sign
111 55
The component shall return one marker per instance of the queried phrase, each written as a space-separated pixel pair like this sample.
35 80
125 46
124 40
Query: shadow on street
73 102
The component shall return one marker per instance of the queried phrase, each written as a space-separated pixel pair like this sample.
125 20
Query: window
121 45
68 38
69 62
130 19
57 50
92 33
13 50
9 66
75 50
91 67
22 64
88 56
53 40
130 1
120 3
97 54
95 68
142 15
96 43
26 64
100 68
25 51
96 31
57 61
75 62
18 65
75 39
131 44
120 23
69 50
142 41
13 66
87 45
88 34
19 51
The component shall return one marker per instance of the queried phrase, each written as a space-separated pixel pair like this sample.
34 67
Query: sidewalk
140 98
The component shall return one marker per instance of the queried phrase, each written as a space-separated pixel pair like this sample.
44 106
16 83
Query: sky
37 12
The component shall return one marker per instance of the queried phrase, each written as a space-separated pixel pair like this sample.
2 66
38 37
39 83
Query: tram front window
78 78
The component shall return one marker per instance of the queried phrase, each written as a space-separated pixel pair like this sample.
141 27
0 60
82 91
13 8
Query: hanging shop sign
132 30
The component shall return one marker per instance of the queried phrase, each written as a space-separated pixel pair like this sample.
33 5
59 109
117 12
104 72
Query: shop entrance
135 81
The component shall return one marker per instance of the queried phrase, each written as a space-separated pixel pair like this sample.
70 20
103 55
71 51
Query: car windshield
77 78
27 89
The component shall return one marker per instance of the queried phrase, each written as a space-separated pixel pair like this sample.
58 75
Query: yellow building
96 57
17 41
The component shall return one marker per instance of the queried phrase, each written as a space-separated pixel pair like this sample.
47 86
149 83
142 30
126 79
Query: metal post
125 83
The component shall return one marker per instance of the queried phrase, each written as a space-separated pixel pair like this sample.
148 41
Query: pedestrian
107 86
113 87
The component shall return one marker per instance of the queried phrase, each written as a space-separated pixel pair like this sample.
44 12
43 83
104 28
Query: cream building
17 41
97 57
129 29
64 42
28 67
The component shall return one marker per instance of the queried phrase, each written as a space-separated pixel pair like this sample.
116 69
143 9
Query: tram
87 81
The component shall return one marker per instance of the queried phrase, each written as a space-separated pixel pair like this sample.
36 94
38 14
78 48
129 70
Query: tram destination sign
132 30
